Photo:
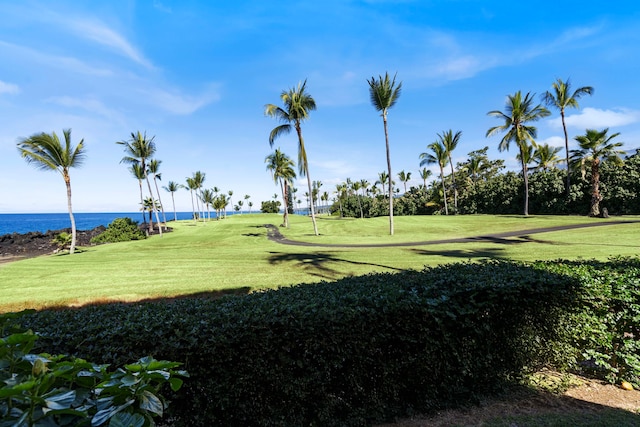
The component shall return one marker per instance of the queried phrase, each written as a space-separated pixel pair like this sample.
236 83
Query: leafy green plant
120 230
62 240
45 390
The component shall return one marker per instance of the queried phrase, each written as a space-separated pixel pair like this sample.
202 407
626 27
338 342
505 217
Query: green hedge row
366 349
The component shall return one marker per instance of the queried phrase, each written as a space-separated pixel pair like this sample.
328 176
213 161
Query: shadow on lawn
318 263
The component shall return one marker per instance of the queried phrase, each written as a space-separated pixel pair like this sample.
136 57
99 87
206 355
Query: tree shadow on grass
318 263
489 253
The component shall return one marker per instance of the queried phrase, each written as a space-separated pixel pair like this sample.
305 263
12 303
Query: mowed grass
234 255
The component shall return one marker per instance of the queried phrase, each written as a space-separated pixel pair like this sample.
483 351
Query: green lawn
235 255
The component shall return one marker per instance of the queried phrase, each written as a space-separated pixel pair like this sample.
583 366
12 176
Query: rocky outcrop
37 243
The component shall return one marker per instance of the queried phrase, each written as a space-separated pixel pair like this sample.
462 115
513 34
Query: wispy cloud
98 32
178 103
162 7
91 105
66 63
9 88
596 118
553 141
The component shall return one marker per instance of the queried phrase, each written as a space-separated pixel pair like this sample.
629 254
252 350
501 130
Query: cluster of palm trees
519 114
297 104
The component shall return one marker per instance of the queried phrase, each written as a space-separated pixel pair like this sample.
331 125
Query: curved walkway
274 235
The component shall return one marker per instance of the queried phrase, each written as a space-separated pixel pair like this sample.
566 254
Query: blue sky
197 74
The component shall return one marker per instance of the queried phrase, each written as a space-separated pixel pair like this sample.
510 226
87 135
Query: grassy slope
235 254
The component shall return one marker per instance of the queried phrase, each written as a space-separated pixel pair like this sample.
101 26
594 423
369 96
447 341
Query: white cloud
62 62
594 118
8 88
553 141
180 104
88 104
100 33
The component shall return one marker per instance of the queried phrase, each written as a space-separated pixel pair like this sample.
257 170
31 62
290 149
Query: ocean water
42 222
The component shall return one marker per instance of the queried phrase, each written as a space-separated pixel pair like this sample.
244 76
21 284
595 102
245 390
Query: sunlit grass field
234 255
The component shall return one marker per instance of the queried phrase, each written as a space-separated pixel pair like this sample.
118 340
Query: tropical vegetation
46 152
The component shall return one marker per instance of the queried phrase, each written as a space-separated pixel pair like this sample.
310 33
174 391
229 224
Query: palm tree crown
450 141
46 152
297 105
384 93
439 156
518 113
596 146
282 171
561 98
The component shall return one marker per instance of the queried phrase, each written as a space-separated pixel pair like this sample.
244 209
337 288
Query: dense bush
120 230
270 206
368 348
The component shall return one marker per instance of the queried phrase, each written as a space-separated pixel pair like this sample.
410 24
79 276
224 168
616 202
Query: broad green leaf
60 399
150 402
125 419
175 383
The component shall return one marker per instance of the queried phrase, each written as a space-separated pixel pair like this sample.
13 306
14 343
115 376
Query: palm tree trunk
595 189
285 215
164 218
173 202
566 150
67 182
444 191
306 171
193 207
144 212
455 189
155 209
386 140
526 184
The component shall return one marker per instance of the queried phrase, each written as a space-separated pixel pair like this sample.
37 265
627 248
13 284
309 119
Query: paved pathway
275 236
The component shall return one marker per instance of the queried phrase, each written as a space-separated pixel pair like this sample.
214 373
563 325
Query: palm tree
172 187
355 186
341 192
546 157
562 98
518 113
595 147
404 178
230 193
140 149
526 155
208 198
425 174
46 152
138 173
282 172
450 141
250 204
297 105
384 94
192 186
383 178
198 180
154 166
440 157
325 198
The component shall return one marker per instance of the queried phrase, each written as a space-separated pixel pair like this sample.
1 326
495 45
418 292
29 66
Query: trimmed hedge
362 349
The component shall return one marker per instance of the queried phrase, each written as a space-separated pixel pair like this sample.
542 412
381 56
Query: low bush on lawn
120 230
366 349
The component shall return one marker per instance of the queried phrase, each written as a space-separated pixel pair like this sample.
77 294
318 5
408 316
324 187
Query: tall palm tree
404 178
282 172
595 147
297 105
526 155
341 192
355 186
141 149
230 193
518 112
198 180
425 174
46 152
450 141
383 178
384 94
561 98
208 198
439 156
154 166
138 173
192 186
172 187
546 157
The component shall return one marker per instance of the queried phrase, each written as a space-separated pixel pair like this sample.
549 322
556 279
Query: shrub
351 352
120 230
